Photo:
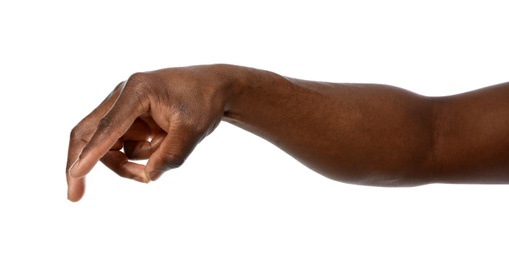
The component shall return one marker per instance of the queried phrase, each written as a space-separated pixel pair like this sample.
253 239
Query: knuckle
105 123
108 126
76 133
139 81
138 86
172 160
81 131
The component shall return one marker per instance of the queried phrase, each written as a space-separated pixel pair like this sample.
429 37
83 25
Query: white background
237 196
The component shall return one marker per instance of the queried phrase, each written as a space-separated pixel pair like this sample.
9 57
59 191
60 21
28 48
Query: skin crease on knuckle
78 134
107 125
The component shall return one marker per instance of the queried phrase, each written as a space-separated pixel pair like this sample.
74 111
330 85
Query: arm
472 137
357 133
381 135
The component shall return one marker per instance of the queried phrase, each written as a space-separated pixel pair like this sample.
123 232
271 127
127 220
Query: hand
160 116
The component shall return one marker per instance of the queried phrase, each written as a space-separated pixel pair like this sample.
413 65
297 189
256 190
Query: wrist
247 90
231 81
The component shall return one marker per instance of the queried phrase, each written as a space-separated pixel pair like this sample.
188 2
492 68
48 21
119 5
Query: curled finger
120 164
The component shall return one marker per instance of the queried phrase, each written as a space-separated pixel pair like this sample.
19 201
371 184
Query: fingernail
72 168
142 179
154 175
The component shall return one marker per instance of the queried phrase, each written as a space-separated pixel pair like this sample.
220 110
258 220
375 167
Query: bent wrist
247 89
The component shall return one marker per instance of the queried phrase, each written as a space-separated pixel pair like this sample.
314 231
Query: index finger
130 104
79 138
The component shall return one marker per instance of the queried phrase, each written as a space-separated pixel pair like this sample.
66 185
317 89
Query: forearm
357 133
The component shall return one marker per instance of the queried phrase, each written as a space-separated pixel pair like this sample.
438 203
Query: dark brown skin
364 134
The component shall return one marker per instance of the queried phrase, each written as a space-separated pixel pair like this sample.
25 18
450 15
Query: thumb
173 151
